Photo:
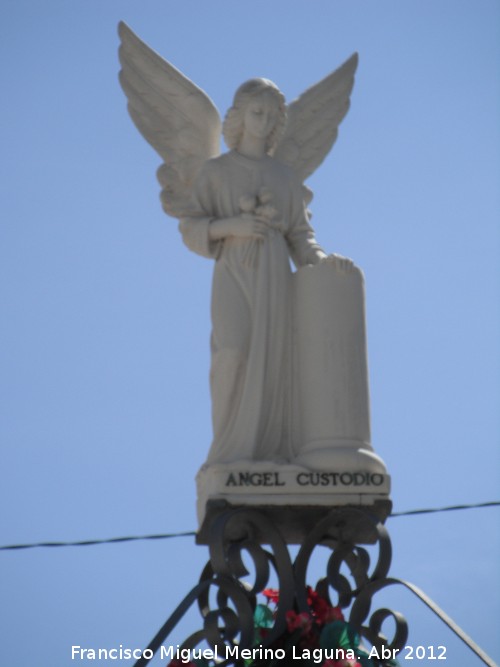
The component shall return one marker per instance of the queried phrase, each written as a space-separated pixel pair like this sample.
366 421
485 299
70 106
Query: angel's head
253 91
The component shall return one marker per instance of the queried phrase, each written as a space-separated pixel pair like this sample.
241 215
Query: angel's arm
195 227
303 246
202 230
305 250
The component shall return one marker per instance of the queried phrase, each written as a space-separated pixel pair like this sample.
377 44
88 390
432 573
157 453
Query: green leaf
338 635
263 617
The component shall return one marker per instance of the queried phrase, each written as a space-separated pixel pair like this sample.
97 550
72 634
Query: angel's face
260 116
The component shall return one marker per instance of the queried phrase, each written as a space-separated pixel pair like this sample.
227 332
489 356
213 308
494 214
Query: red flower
333 614
271 594
312 596
322 611
320 608
302 622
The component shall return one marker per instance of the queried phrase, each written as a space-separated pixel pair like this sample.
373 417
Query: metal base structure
226 601
293 522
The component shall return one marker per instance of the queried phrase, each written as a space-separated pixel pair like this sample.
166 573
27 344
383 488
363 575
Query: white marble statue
246 209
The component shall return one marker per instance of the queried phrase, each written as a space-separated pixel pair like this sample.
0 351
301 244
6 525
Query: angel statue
247 210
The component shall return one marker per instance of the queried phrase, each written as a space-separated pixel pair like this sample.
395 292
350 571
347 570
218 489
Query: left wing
313 120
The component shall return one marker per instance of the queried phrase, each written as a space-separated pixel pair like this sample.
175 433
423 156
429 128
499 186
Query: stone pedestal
289 491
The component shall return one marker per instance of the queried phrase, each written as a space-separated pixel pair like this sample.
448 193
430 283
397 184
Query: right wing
176 117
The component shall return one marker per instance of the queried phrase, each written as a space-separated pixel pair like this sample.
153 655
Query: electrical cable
164 536
88 543
451 508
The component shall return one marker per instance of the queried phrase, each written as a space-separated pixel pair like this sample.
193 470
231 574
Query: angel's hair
232 128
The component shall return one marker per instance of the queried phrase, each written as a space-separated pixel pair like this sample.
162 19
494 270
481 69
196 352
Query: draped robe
251 304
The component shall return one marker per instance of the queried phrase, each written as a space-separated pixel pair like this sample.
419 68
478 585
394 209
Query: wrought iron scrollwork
233 534
336 532
227 601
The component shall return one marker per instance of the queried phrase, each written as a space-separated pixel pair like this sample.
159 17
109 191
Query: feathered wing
176 117
313 120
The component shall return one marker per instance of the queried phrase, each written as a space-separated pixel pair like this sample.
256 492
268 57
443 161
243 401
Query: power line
165 536
89 543
451 508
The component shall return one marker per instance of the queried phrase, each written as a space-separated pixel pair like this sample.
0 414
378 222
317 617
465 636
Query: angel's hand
341 263
246 225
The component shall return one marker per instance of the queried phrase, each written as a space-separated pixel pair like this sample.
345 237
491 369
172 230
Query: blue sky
105 414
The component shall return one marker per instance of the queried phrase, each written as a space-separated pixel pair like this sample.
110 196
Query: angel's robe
251 304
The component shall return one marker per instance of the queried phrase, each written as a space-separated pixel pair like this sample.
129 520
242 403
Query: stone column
331 414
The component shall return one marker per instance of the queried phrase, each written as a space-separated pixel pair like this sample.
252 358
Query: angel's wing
176 117
313 120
